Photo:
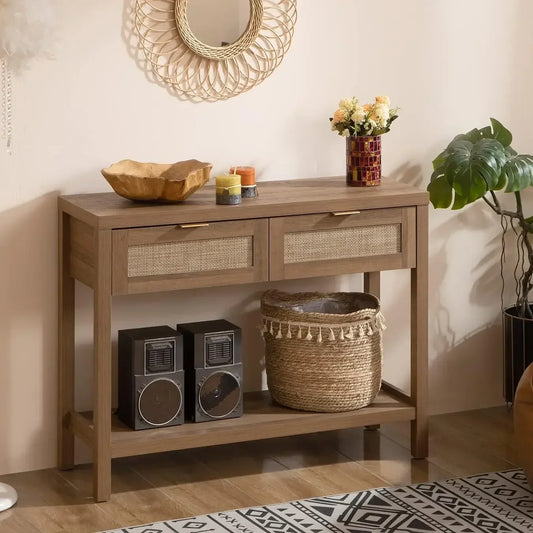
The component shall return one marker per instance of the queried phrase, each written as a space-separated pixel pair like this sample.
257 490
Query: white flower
345 133
369 126
348 104
381 114
359 115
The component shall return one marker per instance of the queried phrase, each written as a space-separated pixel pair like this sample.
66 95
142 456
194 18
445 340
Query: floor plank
466 443
191 482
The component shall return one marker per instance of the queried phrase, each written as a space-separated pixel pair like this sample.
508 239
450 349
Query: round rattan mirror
200 71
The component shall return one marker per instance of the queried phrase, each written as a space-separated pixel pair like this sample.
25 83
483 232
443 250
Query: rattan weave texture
342 243
201 72
323 362
190 256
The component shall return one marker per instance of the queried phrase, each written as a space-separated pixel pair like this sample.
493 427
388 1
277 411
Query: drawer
342 243
186 256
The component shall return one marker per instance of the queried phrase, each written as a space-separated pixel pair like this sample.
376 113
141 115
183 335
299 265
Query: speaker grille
219 394
159 357
160 402
219 349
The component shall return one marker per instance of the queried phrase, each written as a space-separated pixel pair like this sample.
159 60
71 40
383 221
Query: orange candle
247 174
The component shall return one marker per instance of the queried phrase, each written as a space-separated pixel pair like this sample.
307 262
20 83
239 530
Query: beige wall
449 65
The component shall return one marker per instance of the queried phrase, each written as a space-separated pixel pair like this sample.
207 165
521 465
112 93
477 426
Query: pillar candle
247 180
228 189
247 174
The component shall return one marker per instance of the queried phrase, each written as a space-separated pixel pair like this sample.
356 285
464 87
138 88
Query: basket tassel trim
341 332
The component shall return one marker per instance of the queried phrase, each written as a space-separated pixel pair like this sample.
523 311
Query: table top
275 198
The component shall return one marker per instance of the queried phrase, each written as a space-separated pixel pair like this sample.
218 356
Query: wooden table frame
86 228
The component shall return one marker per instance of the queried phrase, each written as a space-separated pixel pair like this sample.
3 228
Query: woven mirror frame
199 71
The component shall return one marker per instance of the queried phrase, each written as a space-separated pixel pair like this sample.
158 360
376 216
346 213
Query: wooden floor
186 483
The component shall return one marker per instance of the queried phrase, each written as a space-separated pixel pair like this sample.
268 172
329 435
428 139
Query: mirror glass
218 22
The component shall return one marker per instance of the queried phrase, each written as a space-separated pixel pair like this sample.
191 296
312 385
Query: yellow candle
228 188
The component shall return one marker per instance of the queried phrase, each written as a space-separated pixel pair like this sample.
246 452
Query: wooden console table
119 247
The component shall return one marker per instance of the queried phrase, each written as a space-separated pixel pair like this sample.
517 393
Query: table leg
419 336
65 438
102 369
372 285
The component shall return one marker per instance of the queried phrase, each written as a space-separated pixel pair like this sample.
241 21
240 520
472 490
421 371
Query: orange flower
367 107
383 100
339 116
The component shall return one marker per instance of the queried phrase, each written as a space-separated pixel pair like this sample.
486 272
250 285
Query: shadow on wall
130 40
411 175
453 383
452 360
462 389
455 358
129 36
28 274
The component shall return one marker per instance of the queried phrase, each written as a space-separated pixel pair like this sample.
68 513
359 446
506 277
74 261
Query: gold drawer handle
187 226
344 213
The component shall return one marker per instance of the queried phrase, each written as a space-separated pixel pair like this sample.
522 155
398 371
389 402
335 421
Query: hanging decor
183 60
26 28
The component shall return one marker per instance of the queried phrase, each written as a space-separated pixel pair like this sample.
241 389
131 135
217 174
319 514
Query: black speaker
213 370
150 377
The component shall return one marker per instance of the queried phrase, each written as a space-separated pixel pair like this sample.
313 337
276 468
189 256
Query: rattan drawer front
323 245
326 244
188 256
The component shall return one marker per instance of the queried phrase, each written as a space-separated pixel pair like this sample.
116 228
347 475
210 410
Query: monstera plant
476 166
482 165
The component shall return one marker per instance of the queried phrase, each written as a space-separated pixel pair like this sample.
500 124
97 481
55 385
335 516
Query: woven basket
323 350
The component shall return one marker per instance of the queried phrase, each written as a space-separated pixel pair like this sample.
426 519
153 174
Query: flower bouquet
363 125
355 119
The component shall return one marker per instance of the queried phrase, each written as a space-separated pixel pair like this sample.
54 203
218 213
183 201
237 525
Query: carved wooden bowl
156 182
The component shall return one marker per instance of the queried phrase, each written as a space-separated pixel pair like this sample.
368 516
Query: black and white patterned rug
499 502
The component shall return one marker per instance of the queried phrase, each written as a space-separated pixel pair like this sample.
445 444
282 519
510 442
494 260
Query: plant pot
363 161
517 349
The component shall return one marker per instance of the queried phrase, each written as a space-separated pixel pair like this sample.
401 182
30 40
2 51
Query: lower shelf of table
261 420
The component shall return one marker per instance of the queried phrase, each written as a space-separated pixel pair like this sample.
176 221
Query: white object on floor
8 496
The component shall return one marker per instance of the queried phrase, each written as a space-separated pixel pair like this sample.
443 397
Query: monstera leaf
476 162
518 171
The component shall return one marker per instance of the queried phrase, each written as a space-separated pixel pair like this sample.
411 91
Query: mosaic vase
363 161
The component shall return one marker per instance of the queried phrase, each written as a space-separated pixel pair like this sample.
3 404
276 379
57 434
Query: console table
119 247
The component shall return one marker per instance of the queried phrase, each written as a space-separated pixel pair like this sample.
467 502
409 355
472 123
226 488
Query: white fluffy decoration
26 29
